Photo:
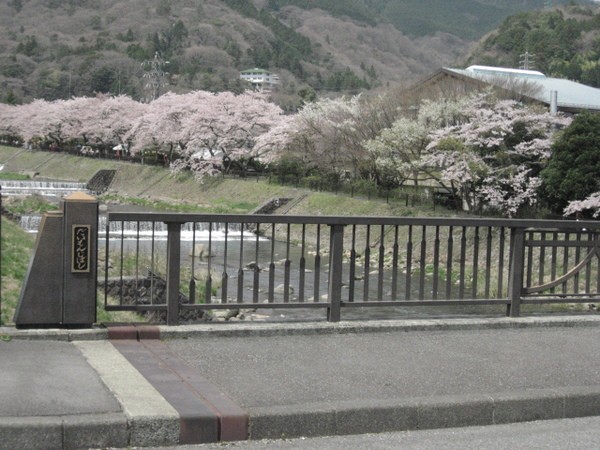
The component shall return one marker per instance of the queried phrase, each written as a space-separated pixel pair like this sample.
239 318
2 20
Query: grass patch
157 205
17 246
103 316
32 204
58 166
327 203
230 206
14 176
221 205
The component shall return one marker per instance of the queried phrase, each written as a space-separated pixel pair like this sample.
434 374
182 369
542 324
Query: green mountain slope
55 49
563 43
469 19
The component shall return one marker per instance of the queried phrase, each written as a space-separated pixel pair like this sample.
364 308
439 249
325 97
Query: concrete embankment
146 182
214 194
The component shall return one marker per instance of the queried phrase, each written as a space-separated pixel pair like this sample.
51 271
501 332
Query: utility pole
155 75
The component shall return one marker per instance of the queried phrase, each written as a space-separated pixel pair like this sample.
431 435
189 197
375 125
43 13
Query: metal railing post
516 271
334 311
173 271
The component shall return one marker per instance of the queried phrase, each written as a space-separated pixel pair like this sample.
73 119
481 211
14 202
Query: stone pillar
80 259
59 289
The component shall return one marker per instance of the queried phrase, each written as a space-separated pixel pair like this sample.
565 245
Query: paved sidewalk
77 389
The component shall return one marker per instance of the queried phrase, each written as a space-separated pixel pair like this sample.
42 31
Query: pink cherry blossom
591 203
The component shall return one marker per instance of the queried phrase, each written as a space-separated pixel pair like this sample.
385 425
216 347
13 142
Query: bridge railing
185 263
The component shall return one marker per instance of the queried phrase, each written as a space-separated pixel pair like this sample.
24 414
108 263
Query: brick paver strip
233 420
120 332
206 413
132 331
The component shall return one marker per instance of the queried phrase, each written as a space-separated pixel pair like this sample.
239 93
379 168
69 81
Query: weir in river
45 188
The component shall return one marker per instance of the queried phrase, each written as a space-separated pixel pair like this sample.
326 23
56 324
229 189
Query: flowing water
52 189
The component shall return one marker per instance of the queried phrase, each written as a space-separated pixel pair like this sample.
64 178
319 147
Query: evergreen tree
573 172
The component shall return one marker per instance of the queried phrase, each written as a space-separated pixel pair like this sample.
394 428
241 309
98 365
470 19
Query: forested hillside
56 49
468 19
563 43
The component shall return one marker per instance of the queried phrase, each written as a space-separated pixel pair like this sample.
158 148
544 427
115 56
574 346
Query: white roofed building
528 85
260 79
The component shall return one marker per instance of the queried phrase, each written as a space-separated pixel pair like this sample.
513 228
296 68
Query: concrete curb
80 431
315 328
55 334
373 326
151 420
376 416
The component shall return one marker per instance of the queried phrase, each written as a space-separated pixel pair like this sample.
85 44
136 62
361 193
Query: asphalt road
260 372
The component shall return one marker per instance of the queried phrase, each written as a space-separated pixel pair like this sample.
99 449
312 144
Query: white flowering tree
591 205
396 151
493 157
331 134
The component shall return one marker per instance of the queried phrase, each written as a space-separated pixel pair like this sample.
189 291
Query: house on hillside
524 85
260 79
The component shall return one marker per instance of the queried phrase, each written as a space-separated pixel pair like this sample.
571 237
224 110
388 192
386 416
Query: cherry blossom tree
161 127
331 133
270 146
222 131
36 120
495 156
8 128
112 118
591 204
73 117
102 119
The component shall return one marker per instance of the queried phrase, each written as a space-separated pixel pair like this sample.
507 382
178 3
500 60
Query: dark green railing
185 263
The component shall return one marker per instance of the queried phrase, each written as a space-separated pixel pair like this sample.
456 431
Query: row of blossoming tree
484 150
199 130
